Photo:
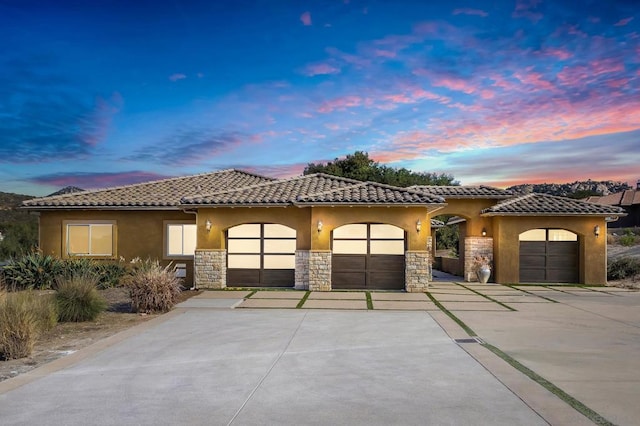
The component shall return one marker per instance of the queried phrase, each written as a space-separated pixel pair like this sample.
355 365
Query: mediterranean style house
320 232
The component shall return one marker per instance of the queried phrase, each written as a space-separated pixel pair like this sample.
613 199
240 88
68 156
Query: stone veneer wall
319 271
476 246
417 271
302 270
210 268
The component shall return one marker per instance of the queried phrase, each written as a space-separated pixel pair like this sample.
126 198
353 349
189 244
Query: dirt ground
67 338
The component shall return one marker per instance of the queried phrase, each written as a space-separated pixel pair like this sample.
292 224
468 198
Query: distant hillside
9 211
18 228
578 189
66 190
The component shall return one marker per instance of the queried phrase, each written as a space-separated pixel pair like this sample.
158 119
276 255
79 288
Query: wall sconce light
484 232
418 226
207 225
319 226
596 231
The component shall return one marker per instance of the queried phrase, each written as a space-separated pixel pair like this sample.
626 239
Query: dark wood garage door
261 255
549 256
368 256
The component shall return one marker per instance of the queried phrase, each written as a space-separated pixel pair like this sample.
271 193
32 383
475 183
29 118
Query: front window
181 239
90 239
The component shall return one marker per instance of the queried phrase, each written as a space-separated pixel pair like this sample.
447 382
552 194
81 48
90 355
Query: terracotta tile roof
464 191
370 193
314 189
164 193
435 223
628 197
544 204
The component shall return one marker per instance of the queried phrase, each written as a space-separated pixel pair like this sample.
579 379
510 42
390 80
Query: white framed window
90 239
180 239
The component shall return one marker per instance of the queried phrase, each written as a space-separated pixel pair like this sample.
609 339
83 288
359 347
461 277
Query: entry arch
261 255
368 256
549 255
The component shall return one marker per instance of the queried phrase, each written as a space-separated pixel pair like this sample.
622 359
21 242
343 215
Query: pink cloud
305 18
534 79
320 69
526 9
558 53
355 60
623 22
384 53
455 84
341 103
468 11
177 76
96 127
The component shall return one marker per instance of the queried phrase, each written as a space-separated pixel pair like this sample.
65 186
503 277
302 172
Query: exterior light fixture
596 231
207 225
319 226
484 232
418 226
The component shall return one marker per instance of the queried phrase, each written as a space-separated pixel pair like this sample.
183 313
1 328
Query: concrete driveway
250 367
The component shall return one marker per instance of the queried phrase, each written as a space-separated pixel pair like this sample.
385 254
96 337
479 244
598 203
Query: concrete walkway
285 367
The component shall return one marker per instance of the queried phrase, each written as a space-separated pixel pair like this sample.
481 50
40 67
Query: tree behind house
360 167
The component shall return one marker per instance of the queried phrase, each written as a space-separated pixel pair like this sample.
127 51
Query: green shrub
78 299
628 239
153 288
19 324
32 271
622 268
110 274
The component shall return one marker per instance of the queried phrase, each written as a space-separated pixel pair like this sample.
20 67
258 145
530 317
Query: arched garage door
368 256
261 255
549 256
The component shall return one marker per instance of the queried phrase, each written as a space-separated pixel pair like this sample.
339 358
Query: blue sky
105 93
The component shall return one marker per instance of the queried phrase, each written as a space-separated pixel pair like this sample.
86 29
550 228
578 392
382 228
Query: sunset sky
106 93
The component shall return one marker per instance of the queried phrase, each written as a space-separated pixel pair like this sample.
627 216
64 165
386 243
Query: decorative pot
483 273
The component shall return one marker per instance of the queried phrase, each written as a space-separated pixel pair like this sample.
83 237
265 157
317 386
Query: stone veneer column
476 246
210 268
319 270
417 271
302 270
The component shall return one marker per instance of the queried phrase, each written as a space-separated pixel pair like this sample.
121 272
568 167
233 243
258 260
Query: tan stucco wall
305 220
593 251
470 209
138 233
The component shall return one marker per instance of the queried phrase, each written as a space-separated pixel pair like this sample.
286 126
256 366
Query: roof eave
343 204
553 214
38 208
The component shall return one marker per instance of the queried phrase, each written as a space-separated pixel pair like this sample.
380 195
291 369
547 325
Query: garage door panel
368 256
561 248
532 275
386 263
549 261
532 261
534 247
244 277
261 255
278 277
386 280
348 261
348 280
562 275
